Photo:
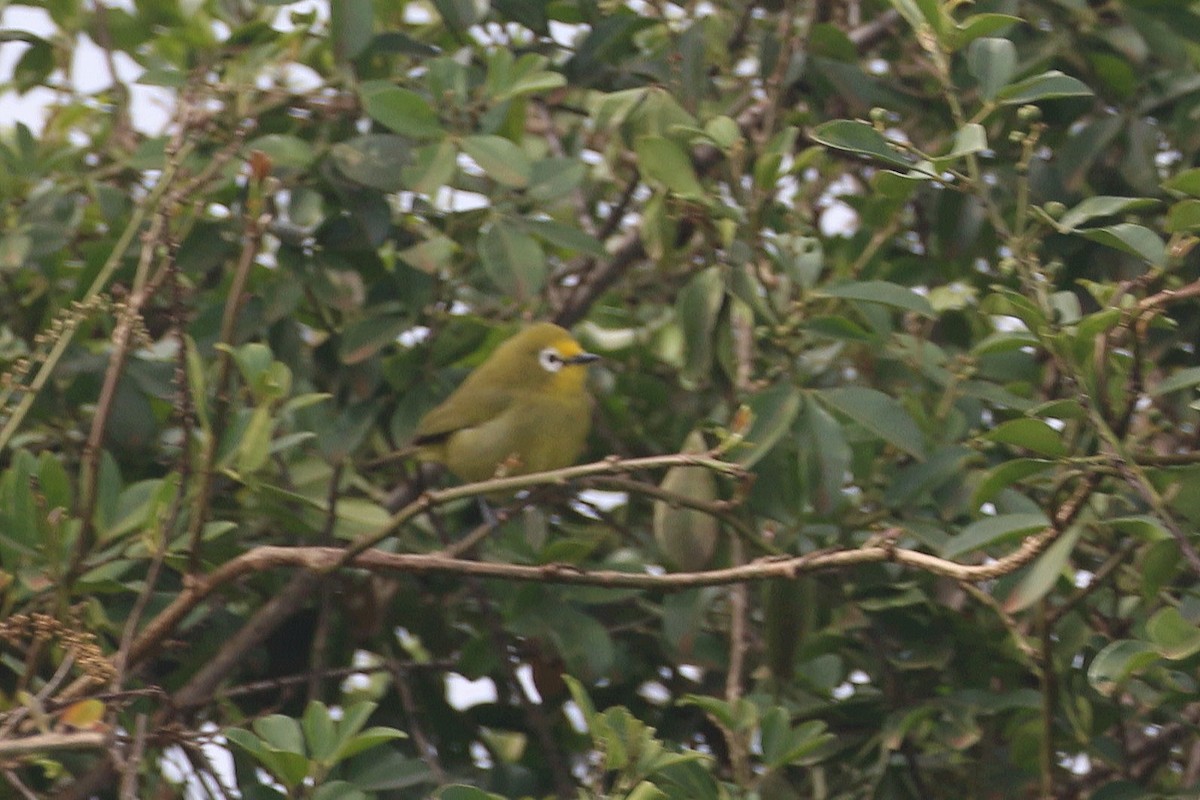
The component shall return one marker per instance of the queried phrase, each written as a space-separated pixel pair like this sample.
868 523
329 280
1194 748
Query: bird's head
544 357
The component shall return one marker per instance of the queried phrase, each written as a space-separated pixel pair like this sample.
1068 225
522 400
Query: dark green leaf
1184 217
363 339
1184 378
1005 475
502 160
989 530
459 15
375 160
877 412
1113 665
977 25
1044 573
350 24
697 306
992 62
400 110
1136 240
664 161
884 293
1186 182
513 259
565 236
1100 206
774 411
1030 434
861 138
1173 636
1047 86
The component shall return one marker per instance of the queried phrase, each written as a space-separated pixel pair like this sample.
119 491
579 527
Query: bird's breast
534 434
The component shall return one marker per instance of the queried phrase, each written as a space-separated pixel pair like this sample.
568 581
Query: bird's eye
550 360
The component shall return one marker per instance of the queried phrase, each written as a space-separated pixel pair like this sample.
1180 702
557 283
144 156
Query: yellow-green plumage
526 407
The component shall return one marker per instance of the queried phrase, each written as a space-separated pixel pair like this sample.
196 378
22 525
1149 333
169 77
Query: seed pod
687 537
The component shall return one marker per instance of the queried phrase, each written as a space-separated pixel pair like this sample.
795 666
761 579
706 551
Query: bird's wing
466 407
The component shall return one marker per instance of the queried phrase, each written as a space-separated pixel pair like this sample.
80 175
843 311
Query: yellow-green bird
525 408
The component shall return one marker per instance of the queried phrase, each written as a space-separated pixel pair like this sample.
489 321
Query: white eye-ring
550 360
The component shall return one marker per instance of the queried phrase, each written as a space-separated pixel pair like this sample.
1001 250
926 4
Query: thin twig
41 743
255 226
739 610
426 750
133 760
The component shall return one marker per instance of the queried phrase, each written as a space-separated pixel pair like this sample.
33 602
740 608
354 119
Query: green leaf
884 293
359 515
1186 182
970 138
646 791
286 152
551 178
977 25
1143 526
502 160
14 249
402 111
53 483
1117 662
696 307
1100 206
431 256
1005 475
354 717
319 732
254 447
280 732
288 766
989 530
434 167
823 443
1184 378
784 745
1031 434
376 160
877 412
920 13
861 138
1044 573
992 62
168 77
1047 86
513 259
774 411
739 715
371 737
568 237
366 337
350 27
664 161
1130 238
533 83
1184 217
1173 636
34 66
459 15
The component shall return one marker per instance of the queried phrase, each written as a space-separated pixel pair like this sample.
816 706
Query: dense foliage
895 473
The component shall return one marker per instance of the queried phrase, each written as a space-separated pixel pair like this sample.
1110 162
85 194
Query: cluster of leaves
924 270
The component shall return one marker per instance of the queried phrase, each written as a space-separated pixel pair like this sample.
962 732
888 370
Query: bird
524 409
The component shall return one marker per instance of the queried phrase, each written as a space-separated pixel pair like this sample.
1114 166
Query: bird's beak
582 358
